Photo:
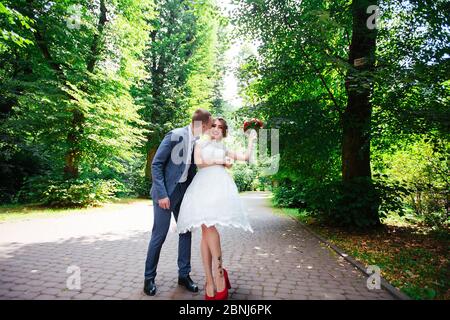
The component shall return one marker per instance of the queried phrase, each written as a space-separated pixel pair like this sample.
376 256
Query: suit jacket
170 161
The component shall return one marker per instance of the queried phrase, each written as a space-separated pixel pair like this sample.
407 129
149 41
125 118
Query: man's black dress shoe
149 287
188 283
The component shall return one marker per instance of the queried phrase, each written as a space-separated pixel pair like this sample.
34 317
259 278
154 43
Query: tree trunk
357 115
73 138
148 166
356 124
96 43
157 81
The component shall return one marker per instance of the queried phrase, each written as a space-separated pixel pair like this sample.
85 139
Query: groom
172 172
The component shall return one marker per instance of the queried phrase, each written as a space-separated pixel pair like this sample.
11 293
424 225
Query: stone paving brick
20 287
283 291
67 293
82 296
112 287
45 297
29 295
51 291
11 294
280 260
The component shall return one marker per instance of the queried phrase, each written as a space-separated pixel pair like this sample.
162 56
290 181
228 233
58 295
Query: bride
212 199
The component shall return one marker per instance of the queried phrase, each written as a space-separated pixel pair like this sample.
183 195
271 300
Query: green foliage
163 93
248 176
82 192
79 193
135 183
288 195
84 101
204 73
422 168
287 85
297 83
12 24
411 92
244 176
91 104
183 66
419 293
339 203
391 194
68 99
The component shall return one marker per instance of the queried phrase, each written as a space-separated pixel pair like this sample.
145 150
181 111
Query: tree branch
96 43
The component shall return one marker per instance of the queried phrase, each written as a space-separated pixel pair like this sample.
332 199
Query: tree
167 56
78 78
182 64
357 115
336 88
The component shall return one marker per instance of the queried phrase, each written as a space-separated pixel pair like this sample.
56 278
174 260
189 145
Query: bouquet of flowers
253 124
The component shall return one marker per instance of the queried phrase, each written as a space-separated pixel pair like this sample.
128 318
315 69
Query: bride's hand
253 135
228 162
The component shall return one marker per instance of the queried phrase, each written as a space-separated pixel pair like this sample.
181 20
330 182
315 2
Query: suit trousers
161 224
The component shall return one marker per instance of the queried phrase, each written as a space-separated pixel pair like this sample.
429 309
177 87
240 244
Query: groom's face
207 126
200 127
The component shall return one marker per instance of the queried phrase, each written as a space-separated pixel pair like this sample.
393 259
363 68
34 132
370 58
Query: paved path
279 261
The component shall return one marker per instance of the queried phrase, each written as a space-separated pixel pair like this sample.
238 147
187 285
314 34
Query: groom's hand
164 203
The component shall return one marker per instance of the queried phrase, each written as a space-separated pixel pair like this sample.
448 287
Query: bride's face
216 130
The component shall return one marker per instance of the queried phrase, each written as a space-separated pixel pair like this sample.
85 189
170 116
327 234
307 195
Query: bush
288 195
68 193
391 194
423 168
136 185
345 204
244 176
438 219
141 187
134 179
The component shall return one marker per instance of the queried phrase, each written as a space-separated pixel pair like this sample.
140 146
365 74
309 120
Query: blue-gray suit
168 166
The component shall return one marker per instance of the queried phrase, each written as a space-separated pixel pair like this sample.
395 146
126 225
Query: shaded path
280 260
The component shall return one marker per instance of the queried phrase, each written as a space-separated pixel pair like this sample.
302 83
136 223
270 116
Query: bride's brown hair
224 126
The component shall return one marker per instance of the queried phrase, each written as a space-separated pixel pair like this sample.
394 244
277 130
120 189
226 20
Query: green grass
414 260
32 211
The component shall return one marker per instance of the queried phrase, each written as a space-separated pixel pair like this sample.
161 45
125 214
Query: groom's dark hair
201 115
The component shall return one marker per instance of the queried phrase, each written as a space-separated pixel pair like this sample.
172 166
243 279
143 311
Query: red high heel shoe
208 297
223 295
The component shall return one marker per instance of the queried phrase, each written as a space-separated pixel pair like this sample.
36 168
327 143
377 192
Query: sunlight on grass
19 212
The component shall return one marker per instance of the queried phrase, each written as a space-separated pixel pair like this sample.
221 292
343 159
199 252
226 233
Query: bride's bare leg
207 263
213 240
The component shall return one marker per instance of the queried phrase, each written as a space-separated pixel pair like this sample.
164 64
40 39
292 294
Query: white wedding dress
212 198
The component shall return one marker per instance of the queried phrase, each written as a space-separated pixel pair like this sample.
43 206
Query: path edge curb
384 283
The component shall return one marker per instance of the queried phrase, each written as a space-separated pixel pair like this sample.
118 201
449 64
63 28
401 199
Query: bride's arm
244 156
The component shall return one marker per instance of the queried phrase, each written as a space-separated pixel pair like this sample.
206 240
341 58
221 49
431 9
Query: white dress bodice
212 198
212 150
